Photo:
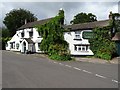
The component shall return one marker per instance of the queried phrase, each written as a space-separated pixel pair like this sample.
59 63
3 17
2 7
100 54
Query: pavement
37 71
85 59
97 60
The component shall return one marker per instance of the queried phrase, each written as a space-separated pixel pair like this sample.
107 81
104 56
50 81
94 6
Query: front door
24 47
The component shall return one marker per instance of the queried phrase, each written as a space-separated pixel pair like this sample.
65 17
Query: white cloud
49 9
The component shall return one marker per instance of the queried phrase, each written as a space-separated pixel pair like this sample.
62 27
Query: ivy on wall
101 44
53 42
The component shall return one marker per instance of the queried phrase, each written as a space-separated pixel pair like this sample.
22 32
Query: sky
46 9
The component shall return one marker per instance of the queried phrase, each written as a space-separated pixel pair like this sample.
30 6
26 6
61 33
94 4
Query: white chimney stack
25 21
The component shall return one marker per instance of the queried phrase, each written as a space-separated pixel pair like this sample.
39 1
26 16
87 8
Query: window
31 33
22 34
12 45
75 48
81 47
17 45
77 35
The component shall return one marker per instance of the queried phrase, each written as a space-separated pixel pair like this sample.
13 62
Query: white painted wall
68 36
17 38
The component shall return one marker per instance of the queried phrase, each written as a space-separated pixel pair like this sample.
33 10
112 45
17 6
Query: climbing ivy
53 42
101 43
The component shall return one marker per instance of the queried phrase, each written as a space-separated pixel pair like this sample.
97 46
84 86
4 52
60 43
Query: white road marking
115 81
76 68
87 71
99 76
68 66
61 64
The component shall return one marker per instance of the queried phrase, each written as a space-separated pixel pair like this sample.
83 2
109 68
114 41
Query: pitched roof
89 25
32 24
116 37
29 40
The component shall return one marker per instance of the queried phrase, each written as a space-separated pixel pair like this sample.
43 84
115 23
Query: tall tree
16 18
83 17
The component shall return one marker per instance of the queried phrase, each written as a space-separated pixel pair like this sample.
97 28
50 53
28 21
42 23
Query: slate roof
82 26
116 37
89 25
32 24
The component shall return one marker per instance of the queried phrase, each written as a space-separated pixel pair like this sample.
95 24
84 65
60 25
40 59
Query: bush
60 57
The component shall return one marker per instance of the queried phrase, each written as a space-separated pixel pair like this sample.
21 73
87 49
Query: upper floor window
77 35
22 34
31 33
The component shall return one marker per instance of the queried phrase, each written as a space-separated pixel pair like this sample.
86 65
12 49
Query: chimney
110 16
25 21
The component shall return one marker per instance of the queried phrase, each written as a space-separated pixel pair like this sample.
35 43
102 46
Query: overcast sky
44 10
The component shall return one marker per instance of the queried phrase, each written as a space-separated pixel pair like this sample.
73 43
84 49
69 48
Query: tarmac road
30 71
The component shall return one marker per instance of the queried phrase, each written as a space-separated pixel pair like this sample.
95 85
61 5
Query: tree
83 17
16 18
53 42
4 37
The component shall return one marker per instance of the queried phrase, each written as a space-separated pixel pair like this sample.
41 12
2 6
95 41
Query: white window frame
81 48
77 35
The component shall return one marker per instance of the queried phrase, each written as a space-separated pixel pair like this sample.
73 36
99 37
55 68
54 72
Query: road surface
30 71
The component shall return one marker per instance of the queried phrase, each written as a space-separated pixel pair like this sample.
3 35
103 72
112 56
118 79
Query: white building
27 37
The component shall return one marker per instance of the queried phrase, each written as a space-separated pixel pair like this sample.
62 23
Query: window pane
83 48
79 49
75 48
77 36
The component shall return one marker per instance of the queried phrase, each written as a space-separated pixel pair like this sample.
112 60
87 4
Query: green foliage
4 32
16 18
5 36
61 58
3 41
53 42
83 17
101 43
116 21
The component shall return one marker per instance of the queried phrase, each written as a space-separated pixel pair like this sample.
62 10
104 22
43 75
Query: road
30 71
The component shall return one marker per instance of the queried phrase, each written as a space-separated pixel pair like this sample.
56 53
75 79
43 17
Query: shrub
60 57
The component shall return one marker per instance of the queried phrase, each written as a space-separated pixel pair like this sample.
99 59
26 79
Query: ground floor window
81 47
17 45
12 45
